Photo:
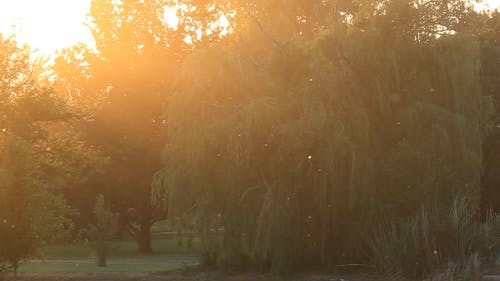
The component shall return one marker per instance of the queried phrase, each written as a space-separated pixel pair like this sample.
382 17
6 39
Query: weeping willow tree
290 158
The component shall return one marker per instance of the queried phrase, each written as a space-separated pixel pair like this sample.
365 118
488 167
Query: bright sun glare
46 25
50 25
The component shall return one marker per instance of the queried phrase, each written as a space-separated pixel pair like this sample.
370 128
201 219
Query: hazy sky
49 25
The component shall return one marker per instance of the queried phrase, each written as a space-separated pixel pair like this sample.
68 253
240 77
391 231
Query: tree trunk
490 178
144 238
179 237
15 265
101 254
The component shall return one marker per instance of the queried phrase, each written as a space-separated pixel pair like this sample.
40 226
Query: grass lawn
46 267
163 246
123 257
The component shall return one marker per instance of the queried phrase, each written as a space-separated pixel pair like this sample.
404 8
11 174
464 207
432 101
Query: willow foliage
289 159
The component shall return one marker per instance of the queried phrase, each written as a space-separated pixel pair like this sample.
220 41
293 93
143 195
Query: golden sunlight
170 16
51 25
488 5
46 25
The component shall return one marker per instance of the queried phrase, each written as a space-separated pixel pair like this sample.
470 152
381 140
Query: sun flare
51 25
170 16
46 25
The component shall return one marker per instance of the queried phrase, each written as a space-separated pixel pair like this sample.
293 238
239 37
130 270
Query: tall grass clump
447 243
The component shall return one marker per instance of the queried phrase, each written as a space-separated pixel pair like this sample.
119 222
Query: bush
447 243
102 231
4 268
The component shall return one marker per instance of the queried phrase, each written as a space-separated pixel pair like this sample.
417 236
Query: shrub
102 231
446 243
4 268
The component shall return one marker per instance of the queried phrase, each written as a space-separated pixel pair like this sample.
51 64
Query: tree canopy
40 155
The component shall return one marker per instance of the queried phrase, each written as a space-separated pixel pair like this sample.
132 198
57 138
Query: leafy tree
128 86
490 56
39 156
125 83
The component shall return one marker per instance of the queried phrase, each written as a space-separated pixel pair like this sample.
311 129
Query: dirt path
195 275
189 276
138 260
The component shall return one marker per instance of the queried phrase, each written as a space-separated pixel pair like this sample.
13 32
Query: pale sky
491 4
50 25
46 25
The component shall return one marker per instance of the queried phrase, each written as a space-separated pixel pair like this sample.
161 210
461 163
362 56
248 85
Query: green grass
162 246
161 226
47 267
123 257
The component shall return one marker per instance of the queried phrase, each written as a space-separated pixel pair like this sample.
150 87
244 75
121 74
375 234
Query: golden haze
51 25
